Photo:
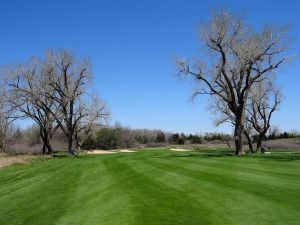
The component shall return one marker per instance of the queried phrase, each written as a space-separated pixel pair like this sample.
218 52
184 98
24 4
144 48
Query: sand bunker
96 152
126 150
180 149
99 152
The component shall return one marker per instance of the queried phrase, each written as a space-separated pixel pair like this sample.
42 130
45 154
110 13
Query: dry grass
289 143
7 160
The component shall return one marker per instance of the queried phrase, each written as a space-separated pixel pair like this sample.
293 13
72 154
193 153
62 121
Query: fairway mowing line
179 150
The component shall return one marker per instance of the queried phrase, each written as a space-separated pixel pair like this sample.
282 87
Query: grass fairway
153 187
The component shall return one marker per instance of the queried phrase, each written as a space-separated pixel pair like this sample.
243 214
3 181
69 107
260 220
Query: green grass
153 187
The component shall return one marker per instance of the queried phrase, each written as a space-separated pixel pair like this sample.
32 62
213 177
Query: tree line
118 136
112 137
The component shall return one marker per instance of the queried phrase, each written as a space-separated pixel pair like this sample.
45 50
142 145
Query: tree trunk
228 143
238 135
42 135
249 141
44 148
259 142
71 129
49 147
1 144
71 149
77 141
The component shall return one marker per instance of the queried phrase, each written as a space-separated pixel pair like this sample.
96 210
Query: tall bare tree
69 78
237 57
7 116
27 84
265 99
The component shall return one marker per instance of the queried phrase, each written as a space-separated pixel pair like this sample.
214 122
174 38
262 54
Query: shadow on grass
203 154
276 156
281 157
60 155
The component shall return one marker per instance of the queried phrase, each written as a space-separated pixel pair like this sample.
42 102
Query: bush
89 143
195 139
32 136
161 137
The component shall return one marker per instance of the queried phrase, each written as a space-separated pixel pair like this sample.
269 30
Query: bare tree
264 101
237 57
248 132
69 79
6 118
27 84
96 115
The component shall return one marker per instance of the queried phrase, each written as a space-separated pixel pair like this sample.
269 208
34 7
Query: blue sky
131 44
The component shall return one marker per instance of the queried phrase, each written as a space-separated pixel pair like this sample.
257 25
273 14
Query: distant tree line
118 136
282 135
123 137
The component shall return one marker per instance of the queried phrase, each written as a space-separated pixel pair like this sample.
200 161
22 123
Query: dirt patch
7 160
179 150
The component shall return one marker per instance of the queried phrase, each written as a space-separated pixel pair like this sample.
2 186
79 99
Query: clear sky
131 44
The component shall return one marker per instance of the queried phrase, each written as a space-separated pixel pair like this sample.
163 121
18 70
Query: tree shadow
204 154
281 157
59 155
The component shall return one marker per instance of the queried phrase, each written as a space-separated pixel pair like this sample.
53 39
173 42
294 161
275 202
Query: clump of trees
53 91
118 136
160 138
236 61
178 139
276 134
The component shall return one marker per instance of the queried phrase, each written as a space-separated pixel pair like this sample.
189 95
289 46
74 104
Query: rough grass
283 144
153 187
7 159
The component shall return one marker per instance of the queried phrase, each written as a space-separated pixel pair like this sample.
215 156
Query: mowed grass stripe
82 185
237 178
228 183
216 168
97 199
155 202
39 201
